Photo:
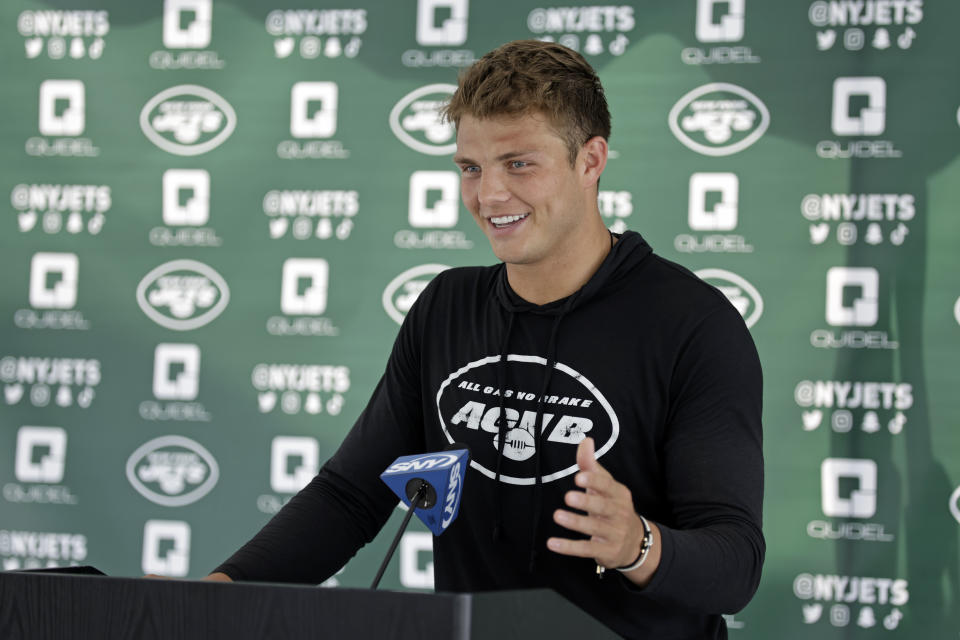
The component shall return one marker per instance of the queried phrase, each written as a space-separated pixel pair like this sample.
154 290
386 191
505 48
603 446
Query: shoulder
673 290
461 282
455 287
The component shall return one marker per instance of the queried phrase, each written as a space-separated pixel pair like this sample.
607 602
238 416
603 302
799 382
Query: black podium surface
40 606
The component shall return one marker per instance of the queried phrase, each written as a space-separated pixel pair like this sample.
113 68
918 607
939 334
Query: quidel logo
433 199
860 502
730 26
183 295
404 290
186 197
313 109
62 108
187 120
39 463
741 294
442 22
870 120
41 454
187 26
719 119
294 461
863 311
859 108
193 33
433 204
53 280
303 290
166 548
416 121
172 471
176 371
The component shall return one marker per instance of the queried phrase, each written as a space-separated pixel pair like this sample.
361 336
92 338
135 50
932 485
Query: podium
38 606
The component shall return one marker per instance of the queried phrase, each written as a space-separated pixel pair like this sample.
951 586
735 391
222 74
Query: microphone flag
442 473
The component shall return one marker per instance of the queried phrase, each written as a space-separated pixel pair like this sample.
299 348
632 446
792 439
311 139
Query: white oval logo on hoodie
468 405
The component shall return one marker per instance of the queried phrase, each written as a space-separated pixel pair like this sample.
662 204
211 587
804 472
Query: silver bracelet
645 545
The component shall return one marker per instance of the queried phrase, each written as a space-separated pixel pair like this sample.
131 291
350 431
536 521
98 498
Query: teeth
507 219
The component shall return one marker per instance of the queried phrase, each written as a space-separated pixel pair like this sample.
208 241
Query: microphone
430 484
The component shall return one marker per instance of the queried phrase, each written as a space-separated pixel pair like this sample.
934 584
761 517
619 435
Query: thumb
585 455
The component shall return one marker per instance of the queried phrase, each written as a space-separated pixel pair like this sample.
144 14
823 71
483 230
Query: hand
613 526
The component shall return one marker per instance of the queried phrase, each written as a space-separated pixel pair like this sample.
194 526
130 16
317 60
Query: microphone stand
414 505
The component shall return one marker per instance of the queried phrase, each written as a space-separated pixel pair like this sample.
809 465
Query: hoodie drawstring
538 439
502 429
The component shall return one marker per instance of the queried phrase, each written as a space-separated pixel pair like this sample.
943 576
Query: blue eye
518 164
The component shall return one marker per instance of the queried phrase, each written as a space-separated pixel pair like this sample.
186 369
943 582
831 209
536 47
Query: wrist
646 543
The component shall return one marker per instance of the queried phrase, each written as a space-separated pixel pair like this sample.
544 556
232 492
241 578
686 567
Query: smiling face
517 182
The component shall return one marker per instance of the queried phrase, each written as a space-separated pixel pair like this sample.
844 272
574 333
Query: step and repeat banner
218 213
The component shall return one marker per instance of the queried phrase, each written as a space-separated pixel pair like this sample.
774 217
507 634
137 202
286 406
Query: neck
559 277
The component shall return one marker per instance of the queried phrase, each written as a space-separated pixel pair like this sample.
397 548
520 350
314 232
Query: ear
592 160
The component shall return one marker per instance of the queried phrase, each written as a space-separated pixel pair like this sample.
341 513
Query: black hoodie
652 363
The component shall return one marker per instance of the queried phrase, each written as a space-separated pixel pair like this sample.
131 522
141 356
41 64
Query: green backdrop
220 211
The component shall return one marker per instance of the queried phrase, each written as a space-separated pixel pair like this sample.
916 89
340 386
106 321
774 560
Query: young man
611 400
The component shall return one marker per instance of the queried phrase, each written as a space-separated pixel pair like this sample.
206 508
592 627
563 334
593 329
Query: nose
492 189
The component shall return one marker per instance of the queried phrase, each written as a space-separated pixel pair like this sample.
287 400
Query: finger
598 481
579 548
582 524
586 459
594 504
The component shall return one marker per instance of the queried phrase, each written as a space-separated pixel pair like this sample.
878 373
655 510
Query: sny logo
166 548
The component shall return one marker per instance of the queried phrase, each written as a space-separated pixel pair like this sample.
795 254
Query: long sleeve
713 547
346 504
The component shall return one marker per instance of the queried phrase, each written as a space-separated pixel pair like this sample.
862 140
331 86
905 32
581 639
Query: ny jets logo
474 409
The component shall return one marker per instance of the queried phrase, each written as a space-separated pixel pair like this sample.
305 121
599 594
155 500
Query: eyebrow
503 156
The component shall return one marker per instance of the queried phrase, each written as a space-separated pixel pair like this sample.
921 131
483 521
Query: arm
346 504
711 554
